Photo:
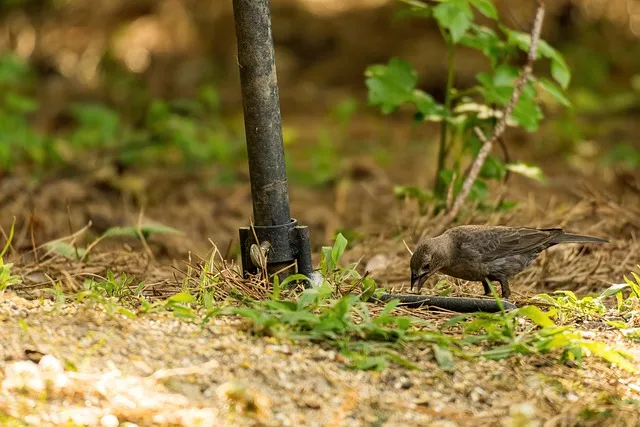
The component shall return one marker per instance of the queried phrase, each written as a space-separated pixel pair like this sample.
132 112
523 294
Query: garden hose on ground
459 305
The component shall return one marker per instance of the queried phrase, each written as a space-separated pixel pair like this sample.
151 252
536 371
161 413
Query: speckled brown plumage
481 253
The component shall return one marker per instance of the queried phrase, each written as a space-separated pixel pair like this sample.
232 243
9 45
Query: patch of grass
338 313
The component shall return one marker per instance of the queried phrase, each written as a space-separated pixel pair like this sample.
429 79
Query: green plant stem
440 186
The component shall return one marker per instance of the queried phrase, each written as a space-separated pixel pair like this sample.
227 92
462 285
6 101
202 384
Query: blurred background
110 107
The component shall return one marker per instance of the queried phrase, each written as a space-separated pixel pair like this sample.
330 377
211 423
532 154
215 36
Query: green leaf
326 262
613 290
145 229
338 248
455 16
182 297
67 250
293 278
485 7
560 70
536 315
555 92
391 85
533 172
444 358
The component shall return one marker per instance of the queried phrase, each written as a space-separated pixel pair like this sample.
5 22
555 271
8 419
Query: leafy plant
180 133
395 84
503 333
568 307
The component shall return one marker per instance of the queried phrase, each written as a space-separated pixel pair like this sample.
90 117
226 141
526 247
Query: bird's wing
494 243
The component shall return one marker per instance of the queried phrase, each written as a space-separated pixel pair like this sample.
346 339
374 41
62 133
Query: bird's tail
577 238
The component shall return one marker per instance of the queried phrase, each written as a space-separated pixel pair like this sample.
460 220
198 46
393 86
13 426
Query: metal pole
288 242
261 105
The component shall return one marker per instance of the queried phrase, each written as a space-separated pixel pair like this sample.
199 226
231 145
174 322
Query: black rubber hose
459 305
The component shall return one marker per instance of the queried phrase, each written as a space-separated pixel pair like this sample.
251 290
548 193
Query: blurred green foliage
182 133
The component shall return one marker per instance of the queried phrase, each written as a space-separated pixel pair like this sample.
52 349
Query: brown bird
482 252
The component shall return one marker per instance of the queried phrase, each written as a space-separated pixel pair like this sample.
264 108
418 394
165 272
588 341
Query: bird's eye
425 267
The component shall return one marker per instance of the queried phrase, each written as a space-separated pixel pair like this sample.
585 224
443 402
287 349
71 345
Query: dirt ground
64 362
155 370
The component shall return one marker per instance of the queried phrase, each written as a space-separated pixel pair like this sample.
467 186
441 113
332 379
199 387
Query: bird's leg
506 292
487 288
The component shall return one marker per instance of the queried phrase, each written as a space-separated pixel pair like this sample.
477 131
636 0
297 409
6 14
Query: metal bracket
289 243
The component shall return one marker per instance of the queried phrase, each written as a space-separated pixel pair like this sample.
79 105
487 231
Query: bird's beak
418 281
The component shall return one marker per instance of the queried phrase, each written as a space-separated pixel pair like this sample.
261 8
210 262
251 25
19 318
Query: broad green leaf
338 248
326 262
67 250
485 7
533 172
182 297
555 92
444 358
536 315
146 230
455 16
391 85
292 278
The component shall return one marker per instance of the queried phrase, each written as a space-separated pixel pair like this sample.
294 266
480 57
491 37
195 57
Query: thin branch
508 111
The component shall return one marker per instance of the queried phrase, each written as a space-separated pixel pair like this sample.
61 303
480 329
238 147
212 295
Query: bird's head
425 261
